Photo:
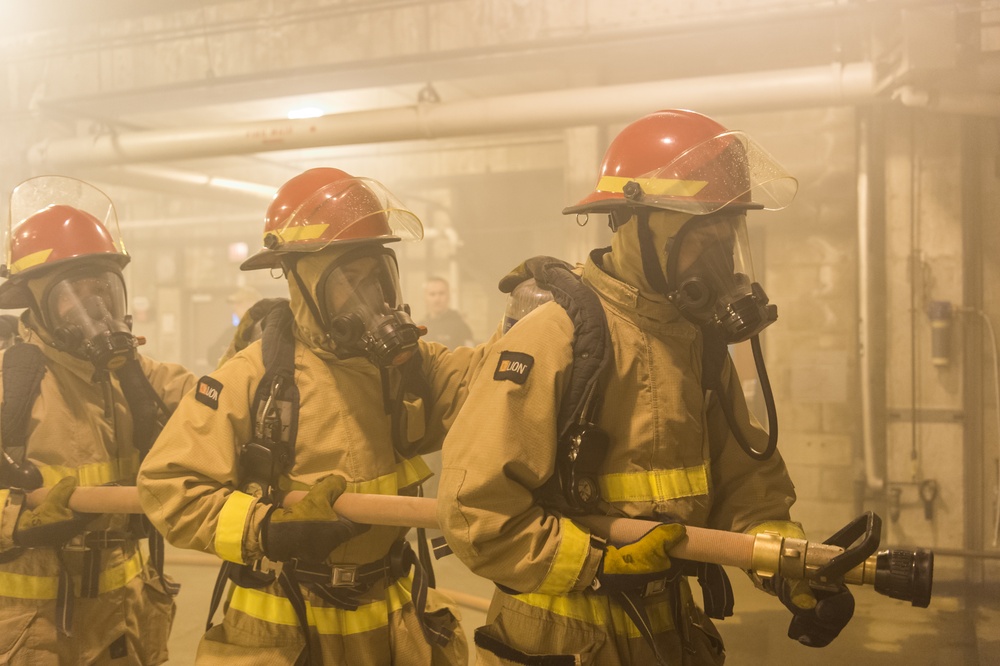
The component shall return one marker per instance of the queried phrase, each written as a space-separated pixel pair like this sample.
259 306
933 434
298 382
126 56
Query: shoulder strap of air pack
275 404
591 338
23 370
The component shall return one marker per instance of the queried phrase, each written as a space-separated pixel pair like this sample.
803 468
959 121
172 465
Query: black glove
52 523
819 625
534 267
310 529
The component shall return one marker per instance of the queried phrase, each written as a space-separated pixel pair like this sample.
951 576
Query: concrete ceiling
76 69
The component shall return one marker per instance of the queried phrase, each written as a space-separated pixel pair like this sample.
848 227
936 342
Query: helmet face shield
727 169
38 194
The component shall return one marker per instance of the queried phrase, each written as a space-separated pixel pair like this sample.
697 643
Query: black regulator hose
772 413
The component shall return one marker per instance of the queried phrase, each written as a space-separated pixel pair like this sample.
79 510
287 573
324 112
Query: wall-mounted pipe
873 478
828 85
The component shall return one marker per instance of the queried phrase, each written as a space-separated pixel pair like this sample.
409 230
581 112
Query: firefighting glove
51 523
640 562
817 615
310 529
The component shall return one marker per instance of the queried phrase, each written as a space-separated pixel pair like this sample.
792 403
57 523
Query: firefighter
356 401
659 430
80 407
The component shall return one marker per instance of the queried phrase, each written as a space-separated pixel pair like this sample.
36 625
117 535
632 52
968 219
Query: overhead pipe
188 183
827 85
967 104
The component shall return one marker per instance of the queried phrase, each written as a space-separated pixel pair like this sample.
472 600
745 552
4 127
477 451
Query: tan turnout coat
83 428
671 457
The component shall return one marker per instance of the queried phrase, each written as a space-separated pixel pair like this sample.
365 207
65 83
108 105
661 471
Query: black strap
144 404
631 603
64 600
289 584
648 253
23 370
500 649
716 590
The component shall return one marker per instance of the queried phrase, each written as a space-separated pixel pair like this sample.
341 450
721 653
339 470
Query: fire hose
849 556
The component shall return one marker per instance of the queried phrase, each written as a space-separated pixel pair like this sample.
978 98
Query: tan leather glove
51 523
310 529
640 562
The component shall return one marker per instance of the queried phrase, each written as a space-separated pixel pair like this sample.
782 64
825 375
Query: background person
444 323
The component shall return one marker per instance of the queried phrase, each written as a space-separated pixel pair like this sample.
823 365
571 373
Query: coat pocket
550 645
14 634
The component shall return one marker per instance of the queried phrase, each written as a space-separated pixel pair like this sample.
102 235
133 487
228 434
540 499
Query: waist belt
342 585
357 577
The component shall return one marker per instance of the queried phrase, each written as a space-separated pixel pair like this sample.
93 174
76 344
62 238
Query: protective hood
625 259
307 329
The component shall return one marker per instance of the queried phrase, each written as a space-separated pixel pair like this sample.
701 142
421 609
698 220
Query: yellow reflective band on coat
327 620
21 586
654 486
408 473
231 526
600 611
94 474
574 548
654 186
30 261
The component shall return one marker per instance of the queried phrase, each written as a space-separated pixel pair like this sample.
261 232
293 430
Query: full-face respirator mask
84 310
710 278
360 300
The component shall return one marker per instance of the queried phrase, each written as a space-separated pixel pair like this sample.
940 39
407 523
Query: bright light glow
265 191
305 112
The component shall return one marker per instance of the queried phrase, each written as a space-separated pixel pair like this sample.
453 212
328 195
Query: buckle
655 587
344 575
76 545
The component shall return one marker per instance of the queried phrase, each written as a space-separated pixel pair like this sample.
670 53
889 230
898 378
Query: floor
961 626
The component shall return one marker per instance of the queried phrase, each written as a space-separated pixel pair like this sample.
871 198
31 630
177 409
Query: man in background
444 324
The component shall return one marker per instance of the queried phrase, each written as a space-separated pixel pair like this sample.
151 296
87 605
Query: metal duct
781 89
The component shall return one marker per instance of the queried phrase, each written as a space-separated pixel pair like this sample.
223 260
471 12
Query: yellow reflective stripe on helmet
22 586
293 234
408 472
327 620
571 556
30 261
231 525
600 611
654 486
654 186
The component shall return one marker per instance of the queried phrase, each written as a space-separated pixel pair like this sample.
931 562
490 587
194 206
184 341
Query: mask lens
366 286
361 304
712 276
91 302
